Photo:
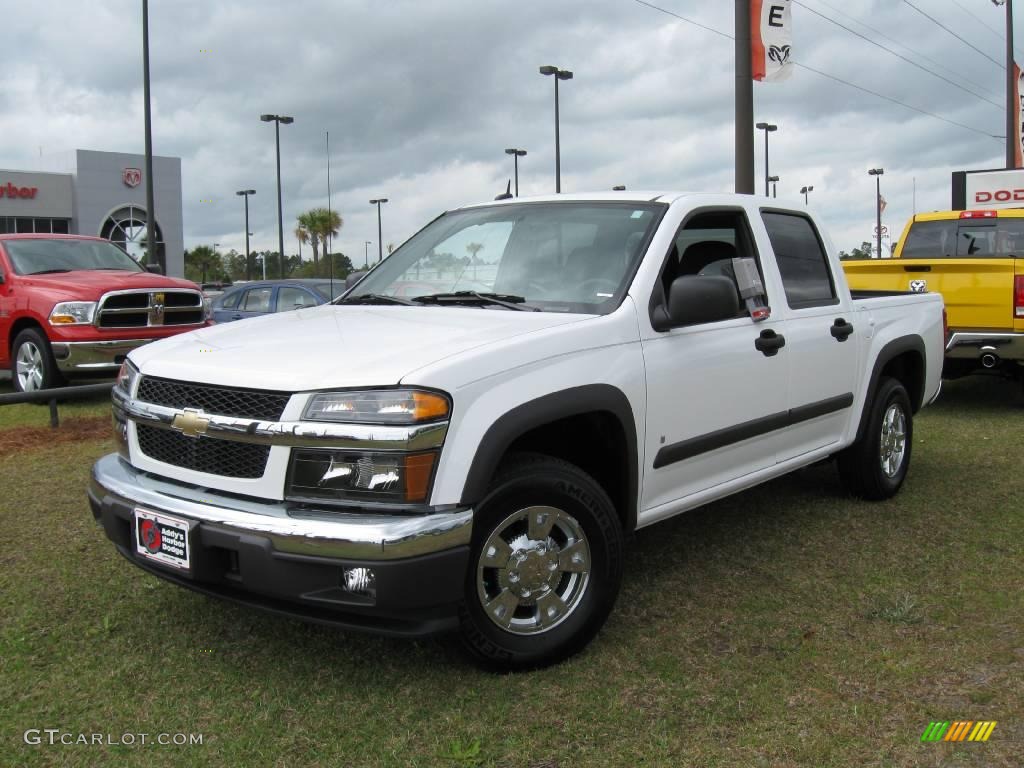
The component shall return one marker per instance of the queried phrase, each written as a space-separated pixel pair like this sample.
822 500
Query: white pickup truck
468 436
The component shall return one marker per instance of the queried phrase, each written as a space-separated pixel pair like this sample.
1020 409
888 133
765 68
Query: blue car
264 297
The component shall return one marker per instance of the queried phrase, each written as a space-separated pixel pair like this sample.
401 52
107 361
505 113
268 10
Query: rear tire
875 466
545 565
32 364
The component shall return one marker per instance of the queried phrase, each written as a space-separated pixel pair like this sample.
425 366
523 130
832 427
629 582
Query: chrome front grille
202 453
147 308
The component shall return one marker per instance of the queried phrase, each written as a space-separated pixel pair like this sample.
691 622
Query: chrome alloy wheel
533 570
29 366
893 440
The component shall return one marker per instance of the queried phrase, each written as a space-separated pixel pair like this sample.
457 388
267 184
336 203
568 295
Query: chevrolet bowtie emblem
191 423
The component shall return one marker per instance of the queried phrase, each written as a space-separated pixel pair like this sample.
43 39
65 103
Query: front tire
32 364
545 564
875 466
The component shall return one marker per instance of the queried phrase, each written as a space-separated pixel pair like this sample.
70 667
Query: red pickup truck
74 306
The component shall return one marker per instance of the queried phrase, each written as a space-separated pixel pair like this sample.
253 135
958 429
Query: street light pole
1011 107
155 256
804 191
380 240
277 120
245 193
774 180
767 128
877 173
516 154
560 74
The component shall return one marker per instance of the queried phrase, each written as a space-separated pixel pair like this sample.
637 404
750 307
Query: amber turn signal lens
429 406
417 476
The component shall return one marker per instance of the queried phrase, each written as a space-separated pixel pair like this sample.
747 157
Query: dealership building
84 192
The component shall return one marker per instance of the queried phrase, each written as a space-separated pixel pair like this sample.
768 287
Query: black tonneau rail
856 295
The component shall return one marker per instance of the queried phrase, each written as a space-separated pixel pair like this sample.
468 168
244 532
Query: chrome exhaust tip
988 360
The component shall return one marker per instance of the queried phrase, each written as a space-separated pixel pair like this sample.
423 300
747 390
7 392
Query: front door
715 403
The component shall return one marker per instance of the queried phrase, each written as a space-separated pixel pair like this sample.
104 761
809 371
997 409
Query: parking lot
789 625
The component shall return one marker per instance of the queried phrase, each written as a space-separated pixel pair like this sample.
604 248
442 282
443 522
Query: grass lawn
786 626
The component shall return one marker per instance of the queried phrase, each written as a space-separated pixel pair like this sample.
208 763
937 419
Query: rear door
820 338
6 307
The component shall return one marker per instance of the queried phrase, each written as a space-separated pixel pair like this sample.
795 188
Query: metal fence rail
51 396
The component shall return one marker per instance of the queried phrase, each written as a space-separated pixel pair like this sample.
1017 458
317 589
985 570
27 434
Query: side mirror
695 299
353 278
156 269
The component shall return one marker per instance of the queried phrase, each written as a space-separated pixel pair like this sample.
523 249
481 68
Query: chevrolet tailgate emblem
191 423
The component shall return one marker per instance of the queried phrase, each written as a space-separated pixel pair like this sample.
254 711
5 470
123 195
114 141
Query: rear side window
802 260
930 240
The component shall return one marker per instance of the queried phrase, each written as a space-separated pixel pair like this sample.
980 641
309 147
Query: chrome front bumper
300 532
85 356
972 345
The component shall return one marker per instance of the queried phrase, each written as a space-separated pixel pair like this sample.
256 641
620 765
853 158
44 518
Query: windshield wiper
375 298
509 301
49 271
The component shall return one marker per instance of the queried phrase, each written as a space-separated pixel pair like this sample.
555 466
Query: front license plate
162 538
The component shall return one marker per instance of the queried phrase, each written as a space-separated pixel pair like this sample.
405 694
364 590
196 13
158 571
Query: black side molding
695 446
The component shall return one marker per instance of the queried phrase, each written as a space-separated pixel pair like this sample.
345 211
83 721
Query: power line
999 34
954 34
827 75
898 55
933 62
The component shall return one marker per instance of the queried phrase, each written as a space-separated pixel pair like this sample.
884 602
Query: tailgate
979 293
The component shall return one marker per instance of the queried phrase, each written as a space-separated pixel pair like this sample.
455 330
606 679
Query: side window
705 246
257 300
231 300
802 261
289 298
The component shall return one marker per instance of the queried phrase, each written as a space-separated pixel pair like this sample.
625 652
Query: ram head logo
779 53
918 286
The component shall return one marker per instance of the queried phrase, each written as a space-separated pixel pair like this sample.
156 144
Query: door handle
841 329
769 343
236 317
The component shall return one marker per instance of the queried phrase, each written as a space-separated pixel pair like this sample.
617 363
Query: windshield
40 256
559 257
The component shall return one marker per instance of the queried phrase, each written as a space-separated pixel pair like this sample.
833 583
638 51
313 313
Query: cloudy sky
421 98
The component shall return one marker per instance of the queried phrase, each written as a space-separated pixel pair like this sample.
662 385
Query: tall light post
245 193
1011 107
380 240
516 154
155 255
767 128
805 191
774 180
877 173
560 74
366 254
277 120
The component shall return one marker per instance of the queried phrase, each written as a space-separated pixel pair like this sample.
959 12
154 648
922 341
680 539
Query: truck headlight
126 377
380 406
73 313
359 476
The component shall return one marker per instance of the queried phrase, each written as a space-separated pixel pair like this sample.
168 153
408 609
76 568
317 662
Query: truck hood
334 346
90 284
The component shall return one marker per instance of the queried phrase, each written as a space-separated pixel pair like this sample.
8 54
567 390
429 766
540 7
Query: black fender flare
543 410
893 349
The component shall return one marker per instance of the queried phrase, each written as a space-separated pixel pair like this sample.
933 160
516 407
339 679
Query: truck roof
627 196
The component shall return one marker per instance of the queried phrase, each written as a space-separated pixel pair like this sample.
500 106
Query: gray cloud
421 98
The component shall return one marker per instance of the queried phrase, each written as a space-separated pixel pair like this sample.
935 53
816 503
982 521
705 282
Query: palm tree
302 236
474 249
320 224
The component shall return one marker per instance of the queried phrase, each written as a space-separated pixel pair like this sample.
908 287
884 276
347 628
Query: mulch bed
70 431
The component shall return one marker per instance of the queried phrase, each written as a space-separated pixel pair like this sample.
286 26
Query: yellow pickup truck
975 259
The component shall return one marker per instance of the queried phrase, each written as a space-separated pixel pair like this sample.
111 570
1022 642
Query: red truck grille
143 309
